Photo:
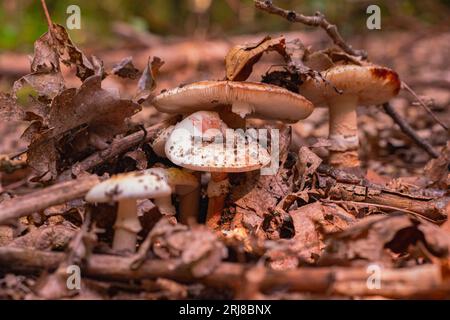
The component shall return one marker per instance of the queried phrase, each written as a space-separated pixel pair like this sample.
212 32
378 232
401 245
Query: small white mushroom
126 189
358 85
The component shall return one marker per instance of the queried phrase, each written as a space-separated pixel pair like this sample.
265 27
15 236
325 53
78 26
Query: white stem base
126 227
343 122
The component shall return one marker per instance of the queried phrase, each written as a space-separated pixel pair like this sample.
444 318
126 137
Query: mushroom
257 100
345 87
234 101
189 203
198 143
159 143
127 188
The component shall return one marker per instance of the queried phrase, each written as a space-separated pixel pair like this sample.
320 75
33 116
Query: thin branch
117 147
408 130
419 281
44 198
47 15
318 20
424 105
376 205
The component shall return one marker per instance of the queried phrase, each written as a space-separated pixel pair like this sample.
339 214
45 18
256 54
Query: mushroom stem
189 206
127 226
165 206
216 200
343 132
233 120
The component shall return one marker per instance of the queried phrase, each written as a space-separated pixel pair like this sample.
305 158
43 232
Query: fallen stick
44 198
346 187
435 210
419 281
406 128
115 148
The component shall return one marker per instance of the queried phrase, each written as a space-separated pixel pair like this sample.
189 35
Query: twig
435 210
382 206
406 128
318 20
47 15
420 281
424 105
117 147
42 199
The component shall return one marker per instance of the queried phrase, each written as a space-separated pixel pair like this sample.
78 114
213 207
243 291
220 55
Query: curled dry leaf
126 69
45 77
100 114
198 248
312 224
101 109
69 54
45 238
139 157
307 164
437 170
240 59
147 81
383 239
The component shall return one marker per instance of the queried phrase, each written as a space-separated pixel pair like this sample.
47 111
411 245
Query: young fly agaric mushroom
356 85
127 188
202 142
257 100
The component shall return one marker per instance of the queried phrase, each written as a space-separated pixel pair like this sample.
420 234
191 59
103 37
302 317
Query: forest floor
310 231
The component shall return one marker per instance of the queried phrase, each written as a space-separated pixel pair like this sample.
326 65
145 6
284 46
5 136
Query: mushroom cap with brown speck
227 151
151 183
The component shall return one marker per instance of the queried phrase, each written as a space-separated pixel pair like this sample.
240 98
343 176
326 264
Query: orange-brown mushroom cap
371 84
258 100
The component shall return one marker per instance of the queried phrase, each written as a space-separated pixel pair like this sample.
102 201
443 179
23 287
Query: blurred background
22 21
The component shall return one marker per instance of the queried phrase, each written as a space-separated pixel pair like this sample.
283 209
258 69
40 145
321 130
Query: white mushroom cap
151 183
258 100
371 84
202 142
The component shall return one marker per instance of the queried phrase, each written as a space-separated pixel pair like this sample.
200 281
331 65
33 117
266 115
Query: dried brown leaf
380 239
126 69
147 81
10 109
199 248
69 54
45 238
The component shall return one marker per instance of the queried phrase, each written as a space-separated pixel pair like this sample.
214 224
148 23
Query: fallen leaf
45 238
240 59
126 69
69 54
147 81
381 239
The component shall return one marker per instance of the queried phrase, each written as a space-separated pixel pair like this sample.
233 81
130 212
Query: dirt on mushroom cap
151 183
